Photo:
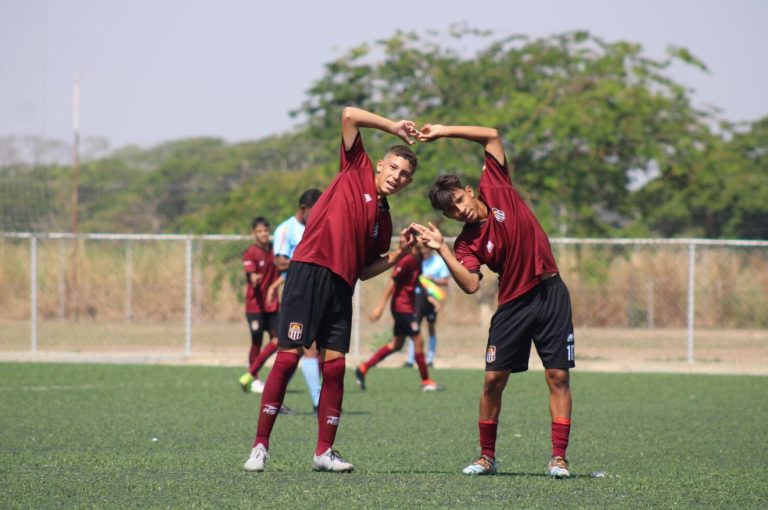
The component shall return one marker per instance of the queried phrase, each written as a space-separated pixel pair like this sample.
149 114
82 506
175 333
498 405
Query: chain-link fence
636 302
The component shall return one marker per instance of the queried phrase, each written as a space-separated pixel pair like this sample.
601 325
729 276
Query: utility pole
75 196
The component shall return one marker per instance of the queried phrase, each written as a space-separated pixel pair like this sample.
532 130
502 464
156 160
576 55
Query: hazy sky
156 70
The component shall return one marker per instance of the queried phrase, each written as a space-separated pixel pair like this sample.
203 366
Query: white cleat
332 461
558 468
430 385
257 459
257 386
483 465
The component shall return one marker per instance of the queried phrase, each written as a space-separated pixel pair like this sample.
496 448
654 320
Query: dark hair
404 152
309 197
441 194
259 220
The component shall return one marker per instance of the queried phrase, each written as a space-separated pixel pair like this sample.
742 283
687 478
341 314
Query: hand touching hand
430 132
405 129
430 236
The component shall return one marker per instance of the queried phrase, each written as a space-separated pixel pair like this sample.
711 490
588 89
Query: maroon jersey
406 276
349 227
510 242
260 261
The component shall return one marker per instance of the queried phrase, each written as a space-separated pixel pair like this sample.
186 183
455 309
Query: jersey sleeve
355 157
466 257
281 241
494 173
249 262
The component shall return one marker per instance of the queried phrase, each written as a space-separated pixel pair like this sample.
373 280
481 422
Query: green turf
81 436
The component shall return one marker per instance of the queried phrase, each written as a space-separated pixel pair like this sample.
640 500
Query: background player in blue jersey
433 268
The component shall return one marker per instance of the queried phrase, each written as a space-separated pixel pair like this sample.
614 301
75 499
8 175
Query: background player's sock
274 393
488 437
431 349
376 358
423 372
310 367
409 358
561 429
253 353
265 353
329 410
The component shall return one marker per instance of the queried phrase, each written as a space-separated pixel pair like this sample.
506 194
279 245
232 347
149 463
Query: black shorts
316 307
406 324
259 323
425 308
542 316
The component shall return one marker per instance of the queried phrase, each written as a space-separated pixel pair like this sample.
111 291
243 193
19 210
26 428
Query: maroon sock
488 437
377 357
561 429
329 407
262 358
422 364
255 348
274 393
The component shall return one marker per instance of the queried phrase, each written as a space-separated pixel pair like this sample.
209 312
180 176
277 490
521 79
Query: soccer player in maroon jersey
402 289
346 238
260 312
501 231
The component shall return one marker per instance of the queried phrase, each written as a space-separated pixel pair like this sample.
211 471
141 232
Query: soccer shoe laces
335 455
484 461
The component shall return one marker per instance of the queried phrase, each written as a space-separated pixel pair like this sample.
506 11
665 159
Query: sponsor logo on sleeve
490 354
295 330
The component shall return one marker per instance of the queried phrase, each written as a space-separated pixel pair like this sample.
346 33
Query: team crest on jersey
489 247
498 214
367 197
295 330
490 354
254 325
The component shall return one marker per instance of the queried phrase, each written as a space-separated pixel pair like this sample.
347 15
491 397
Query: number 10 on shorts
571 348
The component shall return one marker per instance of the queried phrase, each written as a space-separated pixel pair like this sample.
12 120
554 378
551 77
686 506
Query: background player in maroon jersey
346 238
402 289
260 311
501 231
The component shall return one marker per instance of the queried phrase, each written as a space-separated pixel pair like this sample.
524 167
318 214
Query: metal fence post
691 298
188 300
33 291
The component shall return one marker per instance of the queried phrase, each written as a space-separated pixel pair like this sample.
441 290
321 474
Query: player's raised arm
468 281
352 119
487 137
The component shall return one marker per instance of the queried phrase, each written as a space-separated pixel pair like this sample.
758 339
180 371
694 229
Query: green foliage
160 436
601 141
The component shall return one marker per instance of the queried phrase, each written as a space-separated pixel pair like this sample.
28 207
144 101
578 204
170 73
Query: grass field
82 436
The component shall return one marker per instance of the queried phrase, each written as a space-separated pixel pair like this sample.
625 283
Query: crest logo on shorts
295 330
490 354
498 214
333 420
254 325
414 326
